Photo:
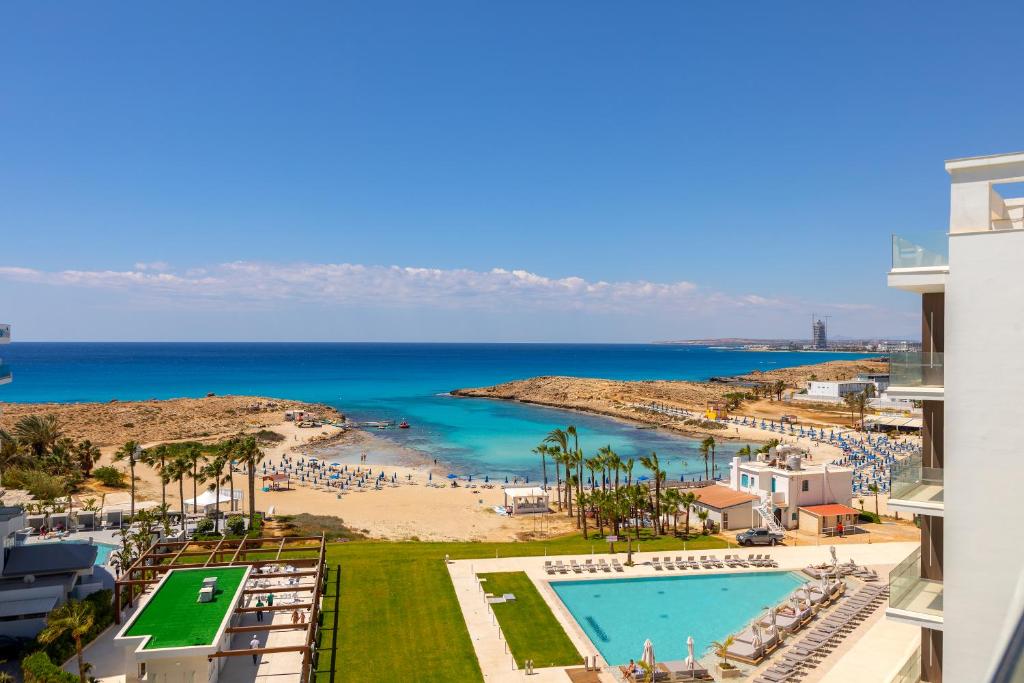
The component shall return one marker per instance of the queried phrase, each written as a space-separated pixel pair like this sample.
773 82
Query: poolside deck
498 665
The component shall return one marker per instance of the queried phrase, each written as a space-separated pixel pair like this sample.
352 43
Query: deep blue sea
369 381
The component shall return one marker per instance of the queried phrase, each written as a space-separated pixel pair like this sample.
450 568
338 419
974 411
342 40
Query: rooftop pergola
307 554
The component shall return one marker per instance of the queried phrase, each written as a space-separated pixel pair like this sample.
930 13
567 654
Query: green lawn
399 617
173 617
529 626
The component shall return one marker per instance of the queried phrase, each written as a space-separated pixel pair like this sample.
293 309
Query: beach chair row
552 567
805 655
712 562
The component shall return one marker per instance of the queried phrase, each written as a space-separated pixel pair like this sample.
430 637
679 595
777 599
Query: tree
10 451
194 457
130 453
542 450
874 489
177 470
38 433
673 498
156 457
745 451
213 472
249 453
560 439
687 500
570 431
722 650
702 515
778 386
75 618
857 403
651 462
87 454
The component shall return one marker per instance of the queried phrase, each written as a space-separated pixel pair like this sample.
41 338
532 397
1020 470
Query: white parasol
648 656
690 661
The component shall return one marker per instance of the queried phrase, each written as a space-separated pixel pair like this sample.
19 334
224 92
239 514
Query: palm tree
874 489
249 452
38 433
628 469
194 457
722 648
130 453
560 439
702 515
672 499
651 463
10 451
87 454
777 388
708 444
570 431
213 472
542 451
687 500
156 458
75 618
705 453
177 470
745 451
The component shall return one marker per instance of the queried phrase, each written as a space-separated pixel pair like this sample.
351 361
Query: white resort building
971 316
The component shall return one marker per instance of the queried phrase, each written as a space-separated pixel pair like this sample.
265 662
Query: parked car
759 537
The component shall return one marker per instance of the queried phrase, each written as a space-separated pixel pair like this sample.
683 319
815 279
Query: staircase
767 511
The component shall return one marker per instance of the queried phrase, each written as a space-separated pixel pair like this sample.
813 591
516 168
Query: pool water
618 615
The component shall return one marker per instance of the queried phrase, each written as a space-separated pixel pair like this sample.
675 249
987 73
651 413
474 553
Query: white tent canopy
207 500
526 499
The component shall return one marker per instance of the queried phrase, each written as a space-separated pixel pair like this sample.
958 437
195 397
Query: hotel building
972 320
5 338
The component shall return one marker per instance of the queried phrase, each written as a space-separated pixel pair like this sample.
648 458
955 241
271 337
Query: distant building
727 508
819 335
5 338
834 392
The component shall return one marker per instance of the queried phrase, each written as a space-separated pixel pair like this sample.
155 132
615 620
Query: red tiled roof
722 496
831 510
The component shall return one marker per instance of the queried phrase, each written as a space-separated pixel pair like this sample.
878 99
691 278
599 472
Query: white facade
837 389
788 489
983 363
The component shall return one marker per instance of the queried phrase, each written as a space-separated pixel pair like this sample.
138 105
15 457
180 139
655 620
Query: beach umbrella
835 559
772 615
430 476
690 660
471 477
453 476
648 655
506 478
487 478
758 643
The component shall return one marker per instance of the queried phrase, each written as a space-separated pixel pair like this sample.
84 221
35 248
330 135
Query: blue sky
580 171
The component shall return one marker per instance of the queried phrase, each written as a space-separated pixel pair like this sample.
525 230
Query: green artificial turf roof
174 618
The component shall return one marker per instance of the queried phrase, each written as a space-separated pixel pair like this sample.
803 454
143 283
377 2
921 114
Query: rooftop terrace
174 618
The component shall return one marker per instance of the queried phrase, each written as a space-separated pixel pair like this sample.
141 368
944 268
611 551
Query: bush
236 525
866 516
204 526
40 484
109 476
269 436
39 668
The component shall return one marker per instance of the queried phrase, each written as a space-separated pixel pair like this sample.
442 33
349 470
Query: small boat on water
403 425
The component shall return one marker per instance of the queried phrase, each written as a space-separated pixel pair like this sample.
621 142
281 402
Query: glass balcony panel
909 592
916 369
5 372
910 480
920 251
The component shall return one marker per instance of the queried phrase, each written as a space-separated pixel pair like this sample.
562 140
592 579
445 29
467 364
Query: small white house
786 482
839 389
526 500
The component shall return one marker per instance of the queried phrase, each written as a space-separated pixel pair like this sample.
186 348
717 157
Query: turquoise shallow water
395 381
618 615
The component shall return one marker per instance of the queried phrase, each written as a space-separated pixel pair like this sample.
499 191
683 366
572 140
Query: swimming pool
618 615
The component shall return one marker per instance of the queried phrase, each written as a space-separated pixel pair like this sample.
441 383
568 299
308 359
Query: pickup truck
758 537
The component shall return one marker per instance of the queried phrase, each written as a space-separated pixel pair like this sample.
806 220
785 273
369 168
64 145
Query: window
773 484
805 485
744 480
725 520
793 517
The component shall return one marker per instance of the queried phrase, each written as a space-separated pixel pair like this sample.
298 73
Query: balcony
912 599
920 264
916 375
5 333
916 489
5 373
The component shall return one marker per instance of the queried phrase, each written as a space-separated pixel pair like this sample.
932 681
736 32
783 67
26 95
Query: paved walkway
497 664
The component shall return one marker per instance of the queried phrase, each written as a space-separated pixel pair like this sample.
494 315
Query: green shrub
236 525
109 476
204 526
102 603
269 436
866 516
40 484
39 668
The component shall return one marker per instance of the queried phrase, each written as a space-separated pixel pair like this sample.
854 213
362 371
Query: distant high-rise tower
819 334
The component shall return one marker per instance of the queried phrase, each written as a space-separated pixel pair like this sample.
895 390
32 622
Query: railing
923 251
909 479
916 369
910 592
910 672
5 372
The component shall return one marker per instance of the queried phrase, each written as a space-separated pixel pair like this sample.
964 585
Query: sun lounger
576 568
603 565
549 567
562 569
616 566
656 563
589 566
746 653
694 564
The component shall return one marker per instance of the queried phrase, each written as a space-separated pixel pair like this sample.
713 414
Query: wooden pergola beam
274 608
259 651
269 627
214 553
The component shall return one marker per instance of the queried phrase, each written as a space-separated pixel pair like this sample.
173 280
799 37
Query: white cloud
267 284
